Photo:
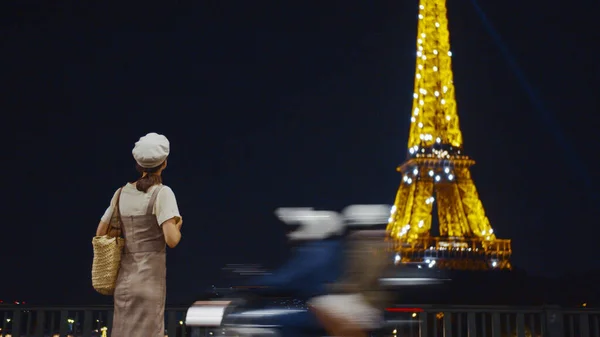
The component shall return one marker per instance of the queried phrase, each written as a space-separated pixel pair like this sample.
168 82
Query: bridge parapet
401 321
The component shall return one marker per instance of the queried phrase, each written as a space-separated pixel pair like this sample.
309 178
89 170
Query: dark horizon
288 105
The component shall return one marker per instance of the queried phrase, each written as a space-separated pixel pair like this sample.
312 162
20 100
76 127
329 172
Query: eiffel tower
436 173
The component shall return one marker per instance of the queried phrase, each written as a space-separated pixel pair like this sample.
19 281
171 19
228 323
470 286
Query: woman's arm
107 217
102 227
167 214
172 232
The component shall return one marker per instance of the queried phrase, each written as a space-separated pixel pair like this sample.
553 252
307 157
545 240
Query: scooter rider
355 303
317 260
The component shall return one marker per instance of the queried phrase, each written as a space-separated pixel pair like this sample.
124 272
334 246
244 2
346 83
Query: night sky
269 104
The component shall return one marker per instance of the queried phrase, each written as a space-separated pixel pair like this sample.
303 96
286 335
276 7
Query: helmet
310 224
359 217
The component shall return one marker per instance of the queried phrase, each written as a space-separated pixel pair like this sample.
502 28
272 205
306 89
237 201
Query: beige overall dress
141 285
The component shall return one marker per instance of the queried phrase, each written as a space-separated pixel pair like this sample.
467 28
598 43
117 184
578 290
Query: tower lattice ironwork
437 173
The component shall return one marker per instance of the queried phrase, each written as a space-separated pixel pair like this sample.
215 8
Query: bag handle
119 221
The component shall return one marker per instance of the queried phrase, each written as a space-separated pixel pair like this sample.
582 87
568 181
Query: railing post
62 324
423 324
496 325
521 324
16 323
596 325
40 324
87 323
584 325
171 324
554 323
471 324
109 321
447 324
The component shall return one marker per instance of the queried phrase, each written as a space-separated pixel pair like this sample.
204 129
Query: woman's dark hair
150 179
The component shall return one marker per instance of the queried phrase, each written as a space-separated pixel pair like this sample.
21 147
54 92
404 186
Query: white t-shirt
134 202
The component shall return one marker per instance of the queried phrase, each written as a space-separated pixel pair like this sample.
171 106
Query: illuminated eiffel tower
436 172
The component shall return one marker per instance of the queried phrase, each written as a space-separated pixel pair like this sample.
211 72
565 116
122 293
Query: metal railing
414 321
93 321
493 321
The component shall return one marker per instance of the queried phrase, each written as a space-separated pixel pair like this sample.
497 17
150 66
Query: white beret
151 150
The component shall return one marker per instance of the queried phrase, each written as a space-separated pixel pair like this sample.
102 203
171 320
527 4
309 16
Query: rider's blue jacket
313 265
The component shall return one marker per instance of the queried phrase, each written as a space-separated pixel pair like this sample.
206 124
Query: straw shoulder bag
107 254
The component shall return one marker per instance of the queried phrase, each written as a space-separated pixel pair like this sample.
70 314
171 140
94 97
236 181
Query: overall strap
153 199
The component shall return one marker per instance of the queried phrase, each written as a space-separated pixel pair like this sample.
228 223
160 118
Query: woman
150 219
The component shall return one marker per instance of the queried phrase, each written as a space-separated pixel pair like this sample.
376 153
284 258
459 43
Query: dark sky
269 104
